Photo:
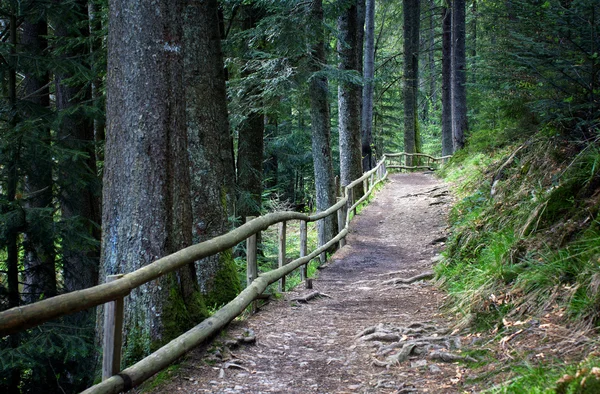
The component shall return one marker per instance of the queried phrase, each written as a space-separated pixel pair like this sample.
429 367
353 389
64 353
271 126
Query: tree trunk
459 76
472 73
432 74
412 17
447 144
12 243
98 97
38 241
210 147
321 129
146 196
349 99
250 147
79 186
367 98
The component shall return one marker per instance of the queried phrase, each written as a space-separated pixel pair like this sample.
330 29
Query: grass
579 378
532 247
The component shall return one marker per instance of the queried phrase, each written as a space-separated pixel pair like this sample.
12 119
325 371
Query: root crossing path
370 331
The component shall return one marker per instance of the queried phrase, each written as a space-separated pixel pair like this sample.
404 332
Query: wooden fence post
341 216
365 186
113 334
251 261
304 250
281 254
338 188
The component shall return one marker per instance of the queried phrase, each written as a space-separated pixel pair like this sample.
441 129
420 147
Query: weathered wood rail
117 287
431 162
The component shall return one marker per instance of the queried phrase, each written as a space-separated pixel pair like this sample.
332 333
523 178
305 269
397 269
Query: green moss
160 378
138 344
179 316
226 285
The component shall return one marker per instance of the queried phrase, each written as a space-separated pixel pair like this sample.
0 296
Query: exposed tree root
449 357
310 296
418 339
248 337
424 276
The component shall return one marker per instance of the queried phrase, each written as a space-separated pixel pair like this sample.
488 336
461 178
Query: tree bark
146 196
39 262
459 76
367 98
349 97
412 17
447 143
321 129
210 147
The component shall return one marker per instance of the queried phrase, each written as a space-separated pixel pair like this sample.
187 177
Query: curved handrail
27 316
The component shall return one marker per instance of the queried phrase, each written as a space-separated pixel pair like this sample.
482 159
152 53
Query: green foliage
53 358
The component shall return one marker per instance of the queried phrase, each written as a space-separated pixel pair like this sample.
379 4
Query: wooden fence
428 162
117 287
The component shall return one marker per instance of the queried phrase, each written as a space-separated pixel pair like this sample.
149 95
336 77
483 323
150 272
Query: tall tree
320 127
349 95
210 146
367 98
78 182
433 99
250 137
412 23
146 195
447 143
11 211
40 255
459 75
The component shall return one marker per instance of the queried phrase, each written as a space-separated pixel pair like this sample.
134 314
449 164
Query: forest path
316 347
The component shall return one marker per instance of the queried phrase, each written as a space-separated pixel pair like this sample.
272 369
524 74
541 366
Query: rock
434 368
418 363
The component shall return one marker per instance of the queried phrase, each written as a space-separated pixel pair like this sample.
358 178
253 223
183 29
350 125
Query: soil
330 344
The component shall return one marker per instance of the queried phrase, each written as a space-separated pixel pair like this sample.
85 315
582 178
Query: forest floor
366 332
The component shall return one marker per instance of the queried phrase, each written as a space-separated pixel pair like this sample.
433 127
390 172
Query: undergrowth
525 239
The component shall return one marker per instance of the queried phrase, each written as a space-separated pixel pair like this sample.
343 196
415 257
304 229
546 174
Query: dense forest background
266 101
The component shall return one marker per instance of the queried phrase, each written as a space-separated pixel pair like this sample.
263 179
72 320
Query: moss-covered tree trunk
410 89
210 147
146 195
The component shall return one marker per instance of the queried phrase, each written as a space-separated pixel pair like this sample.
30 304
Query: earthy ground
366 334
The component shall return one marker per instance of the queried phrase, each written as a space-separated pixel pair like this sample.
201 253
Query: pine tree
146 194
210 147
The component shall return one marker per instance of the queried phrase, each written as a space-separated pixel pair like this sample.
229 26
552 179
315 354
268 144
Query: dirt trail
316 347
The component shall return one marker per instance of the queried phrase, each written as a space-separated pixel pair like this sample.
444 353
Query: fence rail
431 162
117 287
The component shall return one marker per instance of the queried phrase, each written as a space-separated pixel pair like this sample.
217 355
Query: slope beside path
368 331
